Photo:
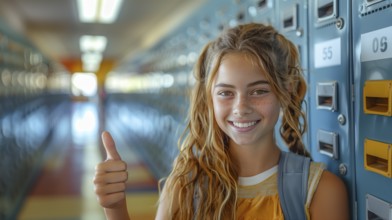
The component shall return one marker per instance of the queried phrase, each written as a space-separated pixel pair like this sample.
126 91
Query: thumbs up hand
110 176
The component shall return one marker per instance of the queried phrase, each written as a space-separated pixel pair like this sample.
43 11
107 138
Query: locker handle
377 208
328 143
288 22
326 93
326 9
262 3
378 157
289 18
377 95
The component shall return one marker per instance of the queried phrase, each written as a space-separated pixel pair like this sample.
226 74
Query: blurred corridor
62 188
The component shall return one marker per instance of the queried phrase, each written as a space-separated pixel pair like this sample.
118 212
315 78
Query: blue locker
331 127
372 39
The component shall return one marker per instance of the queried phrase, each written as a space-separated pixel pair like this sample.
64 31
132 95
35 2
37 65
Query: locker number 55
327 53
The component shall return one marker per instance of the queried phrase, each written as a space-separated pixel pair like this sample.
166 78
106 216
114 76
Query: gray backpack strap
293 172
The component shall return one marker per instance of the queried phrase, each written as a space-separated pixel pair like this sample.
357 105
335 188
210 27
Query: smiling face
245 107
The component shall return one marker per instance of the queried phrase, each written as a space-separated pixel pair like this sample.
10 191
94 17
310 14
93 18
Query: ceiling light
90 43
102 11
87 10
109 10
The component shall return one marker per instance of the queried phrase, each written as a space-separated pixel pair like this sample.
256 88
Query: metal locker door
330 81
372 33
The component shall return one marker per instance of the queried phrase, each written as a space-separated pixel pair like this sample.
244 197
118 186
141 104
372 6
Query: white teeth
244 125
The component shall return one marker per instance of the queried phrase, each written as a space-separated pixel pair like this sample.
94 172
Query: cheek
218 103
267 106
220 112
218 108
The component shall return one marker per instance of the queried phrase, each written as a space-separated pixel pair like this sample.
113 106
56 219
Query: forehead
239 66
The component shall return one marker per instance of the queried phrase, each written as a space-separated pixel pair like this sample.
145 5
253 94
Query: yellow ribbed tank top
258 195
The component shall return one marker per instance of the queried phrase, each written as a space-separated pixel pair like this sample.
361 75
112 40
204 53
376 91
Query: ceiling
54 28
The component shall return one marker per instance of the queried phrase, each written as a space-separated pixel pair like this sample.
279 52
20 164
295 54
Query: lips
244 126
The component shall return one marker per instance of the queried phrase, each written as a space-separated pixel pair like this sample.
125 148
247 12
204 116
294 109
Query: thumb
110 146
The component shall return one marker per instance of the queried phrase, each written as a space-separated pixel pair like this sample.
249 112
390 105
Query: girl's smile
244 126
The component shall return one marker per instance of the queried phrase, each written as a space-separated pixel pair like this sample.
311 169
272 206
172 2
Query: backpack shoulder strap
293 172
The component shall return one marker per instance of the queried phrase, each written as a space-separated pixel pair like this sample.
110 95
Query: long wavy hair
203 175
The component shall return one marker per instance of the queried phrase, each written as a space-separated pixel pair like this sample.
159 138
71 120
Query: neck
251 161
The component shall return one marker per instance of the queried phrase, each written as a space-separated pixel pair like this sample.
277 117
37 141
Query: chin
242 141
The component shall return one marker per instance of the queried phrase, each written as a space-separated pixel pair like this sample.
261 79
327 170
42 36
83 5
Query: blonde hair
203 168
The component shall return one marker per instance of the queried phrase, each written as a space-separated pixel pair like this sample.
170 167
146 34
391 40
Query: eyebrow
249 85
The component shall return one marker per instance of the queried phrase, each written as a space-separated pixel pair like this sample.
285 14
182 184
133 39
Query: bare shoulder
330 200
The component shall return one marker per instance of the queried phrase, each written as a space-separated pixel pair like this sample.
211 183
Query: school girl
228 164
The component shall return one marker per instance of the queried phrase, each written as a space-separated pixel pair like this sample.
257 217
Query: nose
242 106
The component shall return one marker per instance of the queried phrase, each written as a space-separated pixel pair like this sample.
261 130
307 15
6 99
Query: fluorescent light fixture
90 43
102 11
87 10
109 10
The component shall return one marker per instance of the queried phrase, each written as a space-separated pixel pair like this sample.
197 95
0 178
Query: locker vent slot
376 10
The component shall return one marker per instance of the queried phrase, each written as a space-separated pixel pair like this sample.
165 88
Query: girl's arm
330 200
118 212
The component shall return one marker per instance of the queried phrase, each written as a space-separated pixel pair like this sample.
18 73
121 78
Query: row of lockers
28 115
346 53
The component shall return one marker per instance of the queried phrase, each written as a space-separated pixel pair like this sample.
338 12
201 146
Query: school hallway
63 187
